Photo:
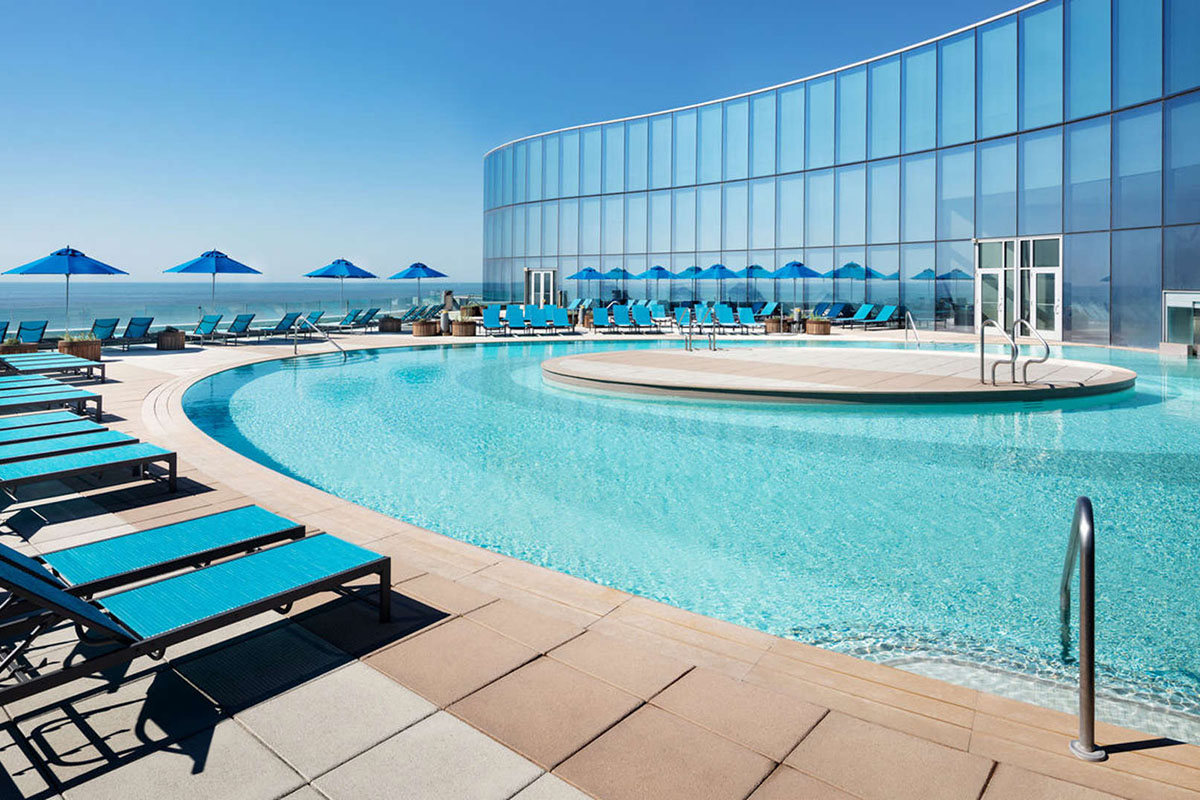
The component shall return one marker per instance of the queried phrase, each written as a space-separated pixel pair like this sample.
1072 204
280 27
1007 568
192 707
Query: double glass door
539 287
1020 279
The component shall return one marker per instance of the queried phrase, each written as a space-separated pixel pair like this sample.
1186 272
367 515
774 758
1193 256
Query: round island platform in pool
831 375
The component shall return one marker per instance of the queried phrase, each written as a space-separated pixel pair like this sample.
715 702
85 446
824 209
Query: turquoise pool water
902 534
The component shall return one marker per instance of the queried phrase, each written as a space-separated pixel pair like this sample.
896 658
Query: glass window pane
708 218
551 160
635 223
849 290
996 182
997 91
685 147
819 208
710 144
1137 51
1181 257
550 229
684 238
956 89
1137 167
886 261
737 139
660 222
614 157
593 145
734 216
535 169
1137 287
1181 200
791 128
533 231
790 225
1181 53
520 171
917 189
1089 57
1086 160
919 122
762 213
506 176
1085 288
636 145
1039 190
568 227
660 152
570 163
762 133
851 194
589 226
955 303
883 201
518 231
917 261
884 117
852 115
818 290
1042 65
820 114
956 193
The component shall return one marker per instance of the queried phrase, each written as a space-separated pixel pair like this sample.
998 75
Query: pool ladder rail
1082 543
1010 338
301 321
911 325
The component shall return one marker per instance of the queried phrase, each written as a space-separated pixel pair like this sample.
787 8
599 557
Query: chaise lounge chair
78 399
206 329
745 318
492 324
62 445
860 314
562 321
887 316
31 332
281 328
147 619
136 332
644 320
238 329
365 322
70 425
104 329
137 456
50 361
343 324
515 319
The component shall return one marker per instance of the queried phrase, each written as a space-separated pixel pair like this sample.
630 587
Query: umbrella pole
67 308
342 289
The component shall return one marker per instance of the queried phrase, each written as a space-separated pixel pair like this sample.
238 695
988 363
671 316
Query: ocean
183 302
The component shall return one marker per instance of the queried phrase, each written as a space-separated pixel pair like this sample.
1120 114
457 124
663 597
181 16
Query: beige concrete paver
530 628
545 710
637 670
786 783
439 758
445 594
656 754
1014 783
549 787
878 763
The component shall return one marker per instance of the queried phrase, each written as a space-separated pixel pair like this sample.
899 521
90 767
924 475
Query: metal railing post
1045 351
1014 352
1082 541
910 324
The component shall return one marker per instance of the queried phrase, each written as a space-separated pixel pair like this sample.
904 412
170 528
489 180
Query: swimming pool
928 537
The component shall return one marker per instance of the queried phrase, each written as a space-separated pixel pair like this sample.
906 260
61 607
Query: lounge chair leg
385 592
171 479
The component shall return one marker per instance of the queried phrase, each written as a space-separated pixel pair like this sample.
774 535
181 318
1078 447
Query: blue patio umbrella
753 272
213 262
418 271
853 271
717 272
655 273
691 273
926 274
955 274
66 262
585 274
341 269
616 274
794 270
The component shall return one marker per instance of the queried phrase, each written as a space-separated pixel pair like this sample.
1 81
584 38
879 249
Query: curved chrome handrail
1015 352
296 336
1082 541
1045 345
910 324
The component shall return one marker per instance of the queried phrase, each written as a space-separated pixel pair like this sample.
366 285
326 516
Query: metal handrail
1014 352
910 324
1045 348
296 336
1082 541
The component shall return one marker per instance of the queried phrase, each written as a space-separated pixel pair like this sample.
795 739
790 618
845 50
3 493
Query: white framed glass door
1020 279
539 287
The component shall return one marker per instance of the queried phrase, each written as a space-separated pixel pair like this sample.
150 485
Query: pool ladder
300 321
1082 543
1010 338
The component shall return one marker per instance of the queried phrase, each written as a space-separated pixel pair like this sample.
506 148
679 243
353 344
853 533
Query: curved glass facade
1042 164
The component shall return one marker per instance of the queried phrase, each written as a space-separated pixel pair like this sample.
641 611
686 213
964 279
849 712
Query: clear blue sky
291 133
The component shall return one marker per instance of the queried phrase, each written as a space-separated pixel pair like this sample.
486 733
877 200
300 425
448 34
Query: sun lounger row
33 392
529 319
41 363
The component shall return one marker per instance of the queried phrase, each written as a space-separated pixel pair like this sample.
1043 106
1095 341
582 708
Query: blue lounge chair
343 324
536 317
745 318
139 456
32 433
643 319
575 304
31 332
136 332
238 329
820 309
281 328
147 619
492 324
79 399
310 323
367 319
3 330
888 315
10 382
515 319
562 321
767 310
20 421
621 320
47 362
859 315
683 317
600 320
105 329
206 329
834 310
43 448
704 317
725 319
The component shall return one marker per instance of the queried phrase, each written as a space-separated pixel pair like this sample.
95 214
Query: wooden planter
426 328
777 325
817 327
13 349
462 328
390 325
82 348
171 340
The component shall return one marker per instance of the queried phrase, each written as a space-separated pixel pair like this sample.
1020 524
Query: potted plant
427 327
465 324
817 326
11 347
171 338
81 345
778 325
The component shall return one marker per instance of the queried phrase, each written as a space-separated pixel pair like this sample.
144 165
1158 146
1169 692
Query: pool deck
830 375
497 679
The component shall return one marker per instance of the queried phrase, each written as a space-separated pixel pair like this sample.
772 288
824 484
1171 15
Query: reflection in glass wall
1072 118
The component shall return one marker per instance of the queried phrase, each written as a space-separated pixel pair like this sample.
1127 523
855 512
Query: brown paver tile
445 594
529 627
786 783
353 625
636 670
545 710
767 722
878 763
451 660
1014 783
656 754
